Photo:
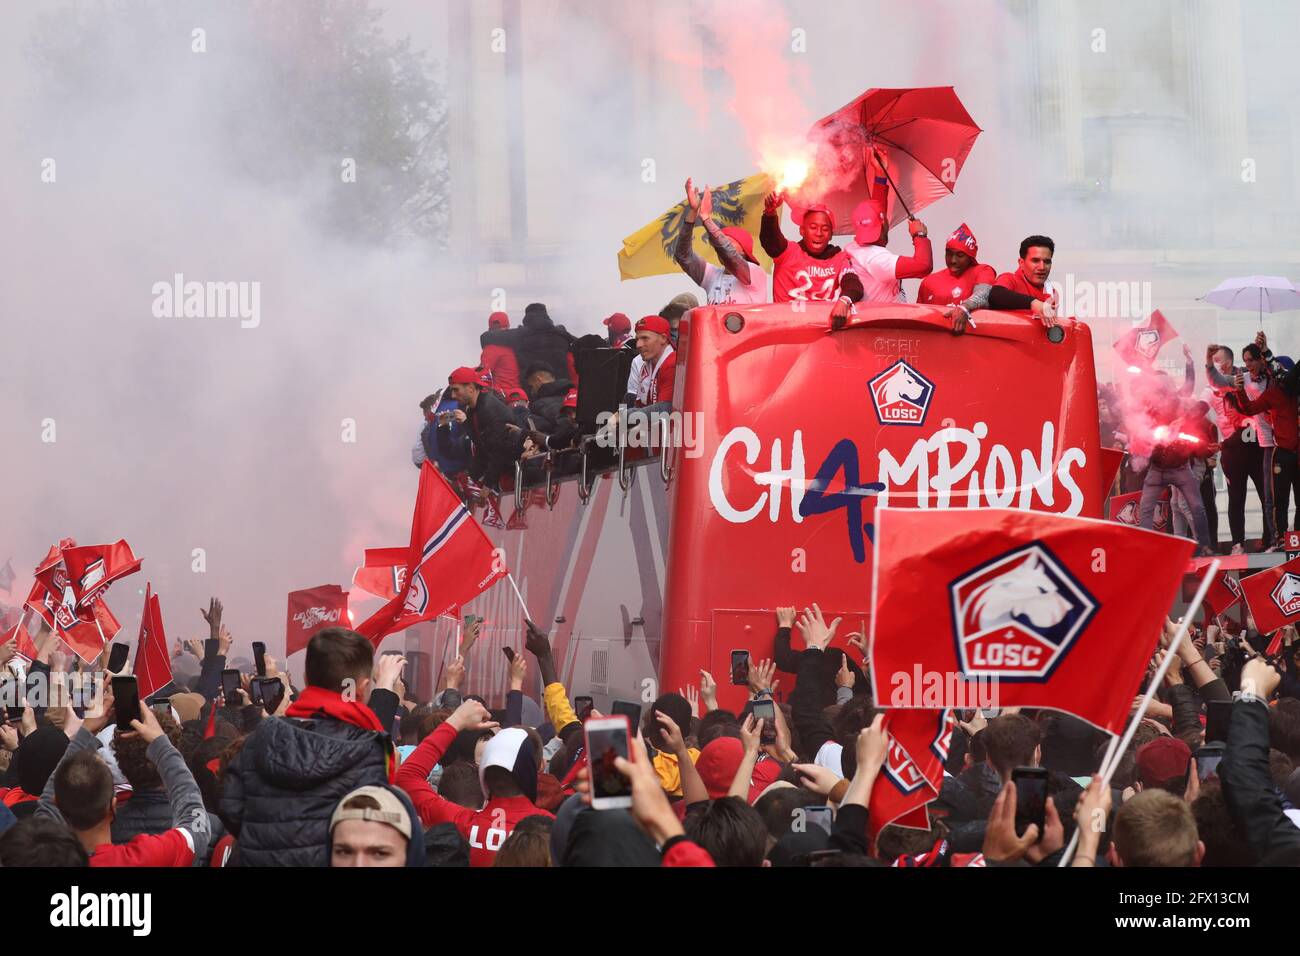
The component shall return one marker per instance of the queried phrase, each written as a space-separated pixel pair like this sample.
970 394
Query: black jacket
492 447
1248 790
538 341
548 406
150 811
281 789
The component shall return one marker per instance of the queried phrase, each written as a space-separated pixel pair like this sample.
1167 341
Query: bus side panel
894 407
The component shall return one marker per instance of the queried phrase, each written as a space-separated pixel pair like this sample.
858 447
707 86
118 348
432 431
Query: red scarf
318 702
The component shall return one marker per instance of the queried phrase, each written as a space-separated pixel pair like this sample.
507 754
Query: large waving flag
450 560
92 568
1053 611
1140 344
1223 593
153 665
649 250
1273 596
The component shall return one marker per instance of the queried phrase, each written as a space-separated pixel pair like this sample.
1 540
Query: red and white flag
22 640
1039 605
1273 596
86 629
1140 344
1223 593
312 610
449 562
153 663
92 568
913 770
1125 509
382 572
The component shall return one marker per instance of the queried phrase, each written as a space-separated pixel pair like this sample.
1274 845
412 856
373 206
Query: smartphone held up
608 738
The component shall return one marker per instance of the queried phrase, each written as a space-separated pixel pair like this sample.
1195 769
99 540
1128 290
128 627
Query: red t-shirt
485 829
1016 282
173 848
943 288
797 275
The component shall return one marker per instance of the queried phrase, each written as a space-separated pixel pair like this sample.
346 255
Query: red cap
717 765
742 238
516 394
1162 760
498 320
868 221
570 398
654 323
465 376
618 322
963 240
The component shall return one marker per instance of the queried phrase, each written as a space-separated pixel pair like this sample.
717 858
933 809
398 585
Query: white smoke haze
183 433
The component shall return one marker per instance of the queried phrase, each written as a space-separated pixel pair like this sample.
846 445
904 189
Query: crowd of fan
349 771
1244 421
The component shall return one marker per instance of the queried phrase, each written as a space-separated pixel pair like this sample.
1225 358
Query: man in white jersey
879 269
739 280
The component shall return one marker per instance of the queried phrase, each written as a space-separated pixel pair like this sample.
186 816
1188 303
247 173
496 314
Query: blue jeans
1186 483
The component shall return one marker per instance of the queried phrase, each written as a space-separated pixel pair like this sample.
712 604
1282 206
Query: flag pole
1110 762
511 578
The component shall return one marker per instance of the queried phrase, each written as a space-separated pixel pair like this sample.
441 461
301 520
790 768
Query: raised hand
213 616
772 202
708 691
471 715
785 617
812 626
455 673
760 677
388 669
692 697
844 677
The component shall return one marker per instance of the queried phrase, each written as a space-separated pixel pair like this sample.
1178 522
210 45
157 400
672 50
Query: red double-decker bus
785 437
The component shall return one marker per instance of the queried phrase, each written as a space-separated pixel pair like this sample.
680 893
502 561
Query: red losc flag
92 568
312 610
86 629
913 770
1224 592
1273 596
1140 344
450 561
1125 509
1055 612
153 665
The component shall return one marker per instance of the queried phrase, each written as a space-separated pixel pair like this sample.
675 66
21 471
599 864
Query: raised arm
921 262
769 231
685 254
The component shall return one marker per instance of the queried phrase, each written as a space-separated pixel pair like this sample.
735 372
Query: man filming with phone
80 794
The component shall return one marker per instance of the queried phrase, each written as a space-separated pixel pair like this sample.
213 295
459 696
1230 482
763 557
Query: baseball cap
868 221
516 394
963 240
618 322
742 238
653 323
390 810
512 751
465 376
498 320
1162 760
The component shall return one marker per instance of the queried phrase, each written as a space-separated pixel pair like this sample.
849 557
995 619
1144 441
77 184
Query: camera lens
1056 334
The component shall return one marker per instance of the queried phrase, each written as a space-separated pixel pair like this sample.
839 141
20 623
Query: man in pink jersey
811 269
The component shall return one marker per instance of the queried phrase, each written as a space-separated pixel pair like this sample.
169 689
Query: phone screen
1217 715
740 667
1207 764
126 702
820 816
582 706
1031 798
161 706
259 657
117 657
766 711
229 684
271 691
624 708
603 747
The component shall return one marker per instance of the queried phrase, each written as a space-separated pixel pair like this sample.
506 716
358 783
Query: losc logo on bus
901 395
1015 617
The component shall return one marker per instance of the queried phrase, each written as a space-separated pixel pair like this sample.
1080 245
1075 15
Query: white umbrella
1263 293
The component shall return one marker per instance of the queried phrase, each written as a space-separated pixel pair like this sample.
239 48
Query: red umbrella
913 140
